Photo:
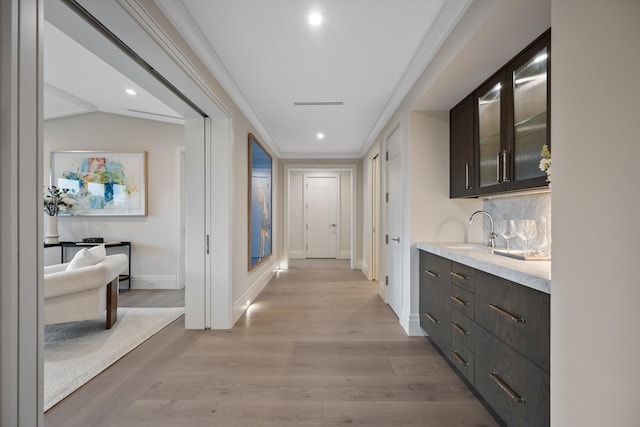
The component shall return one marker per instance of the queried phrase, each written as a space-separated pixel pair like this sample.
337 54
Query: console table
65 245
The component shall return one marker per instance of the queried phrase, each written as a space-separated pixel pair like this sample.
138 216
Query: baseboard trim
296 254
413 328
344 254
242 303
151 282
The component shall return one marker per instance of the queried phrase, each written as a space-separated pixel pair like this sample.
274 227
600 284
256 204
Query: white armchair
84 293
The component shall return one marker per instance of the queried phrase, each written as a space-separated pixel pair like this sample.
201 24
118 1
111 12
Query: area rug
76 352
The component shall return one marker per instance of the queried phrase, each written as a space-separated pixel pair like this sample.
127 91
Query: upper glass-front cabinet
489 133
530 115
512 112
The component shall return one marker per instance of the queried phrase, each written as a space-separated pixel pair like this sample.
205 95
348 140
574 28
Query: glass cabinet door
529 115
489 134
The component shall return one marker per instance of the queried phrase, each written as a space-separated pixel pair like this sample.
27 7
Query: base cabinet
494 332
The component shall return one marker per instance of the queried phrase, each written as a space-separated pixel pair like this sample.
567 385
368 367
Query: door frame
400 124
322 174
304 167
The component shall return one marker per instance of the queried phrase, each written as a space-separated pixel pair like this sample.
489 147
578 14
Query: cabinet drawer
462 359
517 315
435 272
462 329
514 387
435 319
462 300
462 275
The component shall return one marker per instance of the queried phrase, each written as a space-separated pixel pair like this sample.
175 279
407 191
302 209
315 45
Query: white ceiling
375 56
366 54
78 82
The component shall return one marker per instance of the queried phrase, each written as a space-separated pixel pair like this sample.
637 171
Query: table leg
112 303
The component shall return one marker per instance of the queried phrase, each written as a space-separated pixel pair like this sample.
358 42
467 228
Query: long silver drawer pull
460 329
505 178
459 276
433 319
497 169
459 300
459 358
506 313
467 174
431 273
505 387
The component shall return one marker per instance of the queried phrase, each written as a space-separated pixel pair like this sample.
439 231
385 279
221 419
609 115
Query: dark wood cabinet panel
462 171
514 387
518 315
462 300
463 329
463 360
434 273
435 319
462 275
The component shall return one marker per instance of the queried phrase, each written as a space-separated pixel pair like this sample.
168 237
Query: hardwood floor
317 348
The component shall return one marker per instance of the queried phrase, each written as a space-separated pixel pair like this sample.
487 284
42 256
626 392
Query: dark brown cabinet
462 179
435 314
508 122
494 332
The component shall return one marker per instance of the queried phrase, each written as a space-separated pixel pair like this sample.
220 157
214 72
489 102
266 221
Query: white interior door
321 216
394 222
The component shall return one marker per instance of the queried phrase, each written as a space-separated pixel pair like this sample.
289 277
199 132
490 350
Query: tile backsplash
529 206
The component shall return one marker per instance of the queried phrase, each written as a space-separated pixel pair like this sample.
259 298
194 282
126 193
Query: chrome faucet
492 234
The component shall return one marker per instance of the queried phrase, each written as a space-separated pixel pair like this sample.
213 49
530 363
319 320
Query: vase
51 224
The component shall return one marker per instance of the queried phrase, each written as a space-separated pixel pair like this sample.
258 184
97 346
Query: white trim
365 268
153 282
413 326
344 254
180 216
242 303
296 254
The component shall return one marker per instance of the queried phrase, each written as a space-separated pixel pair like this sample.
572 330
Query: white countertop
533 274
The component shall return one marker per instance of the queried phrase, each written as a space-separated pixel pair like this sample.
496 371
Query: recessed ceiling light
131 92
315 19
320 135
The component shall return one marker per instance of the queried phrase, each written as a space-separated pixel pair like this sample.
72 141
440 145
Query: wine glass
508 231
526 230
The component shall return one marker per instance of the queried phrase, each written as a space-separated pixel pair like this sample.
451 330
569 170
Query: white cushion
86 257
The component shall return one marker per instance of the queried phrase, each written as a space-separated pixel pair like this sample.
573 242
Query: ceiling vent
304 104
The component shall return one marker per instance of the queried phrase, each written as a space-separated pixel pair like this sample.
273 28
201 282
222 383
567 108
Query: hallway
317 348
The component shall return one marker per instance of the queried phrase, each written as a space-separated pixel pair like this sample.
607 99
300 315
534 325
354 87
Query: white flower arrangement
57 200
545 162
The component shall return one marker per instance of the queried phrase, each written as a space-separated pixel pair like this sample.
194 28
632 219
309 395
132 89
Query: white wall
153 237
434 217
595 346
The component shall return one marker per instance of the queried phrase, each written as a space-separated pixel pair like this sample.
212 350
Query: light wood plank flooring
317 348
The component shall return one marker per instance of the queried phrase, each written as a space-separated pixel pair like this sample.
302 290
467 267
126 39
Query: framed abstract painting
102 183
260 193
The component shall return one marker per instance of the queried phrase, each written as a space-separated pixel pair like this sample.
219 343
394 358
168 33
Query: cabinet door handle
467 176
460 329
458 300
504 166
458 276
505 387
431 273
498 178
433 319
459 358
505 313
